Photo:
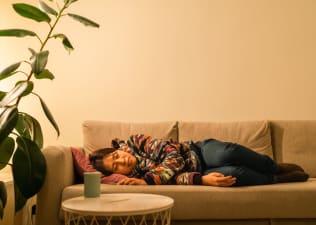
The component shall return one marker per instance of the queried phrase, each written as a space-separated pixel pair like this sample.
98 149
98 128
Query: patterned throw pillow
82 164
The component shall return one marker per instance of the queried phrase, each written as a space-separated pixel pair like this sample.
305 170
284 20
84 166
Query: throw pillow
82 164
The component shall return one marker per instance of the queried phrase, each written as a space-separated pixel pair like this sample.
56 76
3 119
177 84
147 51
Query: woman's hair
96 159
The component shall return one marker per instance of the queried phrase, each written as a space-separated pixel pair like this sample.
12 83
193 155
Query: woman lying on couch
147 160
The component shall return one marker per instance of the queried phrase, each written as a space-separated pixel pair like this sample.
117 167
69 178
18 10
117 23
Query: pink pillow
82 164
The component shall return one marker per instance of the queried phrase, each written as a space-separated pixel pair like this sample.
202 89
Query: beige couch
286 203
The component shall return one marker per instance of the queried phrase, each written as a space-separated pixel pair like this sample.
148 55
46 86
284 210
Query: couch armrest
60 174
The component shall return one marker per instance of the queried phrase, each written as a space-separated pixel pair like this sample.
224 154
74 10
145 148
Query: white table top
118 204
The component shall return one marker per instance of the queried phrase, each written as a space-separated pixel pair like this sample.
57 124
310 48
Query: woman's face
119 162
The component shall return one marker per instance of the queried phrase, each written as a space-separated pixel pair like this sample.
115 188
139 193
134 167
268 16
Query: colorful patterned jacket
162 162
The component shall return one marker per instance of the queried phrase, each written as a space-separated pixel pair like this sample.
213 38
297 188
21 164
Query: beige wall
153 60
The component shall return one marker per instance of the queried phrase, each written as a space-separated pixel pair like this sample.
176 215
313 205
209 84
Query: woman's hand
132 181
218 179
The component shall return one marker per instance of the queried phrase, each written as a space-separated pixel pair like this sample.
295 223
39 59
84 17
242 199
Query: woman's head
110 160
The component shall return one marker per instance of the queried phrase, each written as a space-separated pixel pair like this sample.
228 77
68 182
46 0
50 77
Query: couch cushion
252 134
294 141
82 165
286 200
99 134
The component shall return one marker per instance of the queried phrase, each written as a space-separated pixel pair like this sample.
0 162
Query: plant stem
53 27
44 43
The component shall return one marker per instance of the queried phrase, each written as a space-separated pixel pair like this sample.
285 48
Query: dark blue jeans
249 167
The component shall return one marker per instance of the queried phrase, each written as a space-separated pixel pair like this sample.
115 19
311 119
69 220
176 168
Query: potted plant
21 138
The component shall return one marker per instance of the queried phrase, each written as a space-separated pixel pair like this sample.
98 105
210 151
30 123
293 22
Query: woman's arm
132 181
218 179
211 179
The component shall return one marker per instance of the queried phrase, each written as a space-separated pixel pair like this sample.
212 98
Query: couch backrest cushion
252 134
295 141
99 134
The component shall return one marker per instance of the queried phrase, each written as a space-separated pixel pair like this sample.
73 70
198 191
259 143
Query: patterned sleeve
189 178
170 162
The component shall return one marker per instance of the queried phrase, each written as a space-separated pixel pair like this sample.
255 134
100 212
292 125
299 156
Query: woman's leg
217 154
244 175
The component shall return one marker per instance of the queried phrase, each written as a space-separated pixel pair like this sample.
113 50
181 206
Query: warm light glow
176 60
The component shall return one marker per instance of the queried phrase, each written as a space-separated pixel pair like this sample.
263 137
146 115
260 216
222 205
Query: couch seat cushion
286 200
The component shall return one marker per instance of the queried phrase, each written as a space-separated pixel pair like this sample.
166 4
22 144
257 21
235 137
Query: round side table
123 208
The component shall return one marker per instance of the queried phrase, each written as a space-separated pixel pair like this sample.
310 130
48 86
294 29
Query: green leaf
65 41
23 126
28 127
8 119
1 209
68 2
31 12
6 151
39 61
20 200
37 135
29 88
47 8
13 94
49 115
33 52
3 198
9 70
83 20
29 167
68 46
16 33
2 94
45 74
